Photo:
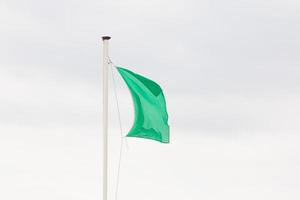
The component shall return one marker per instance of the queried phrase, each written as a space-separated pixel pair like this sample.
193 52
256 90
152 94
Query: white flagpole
105 60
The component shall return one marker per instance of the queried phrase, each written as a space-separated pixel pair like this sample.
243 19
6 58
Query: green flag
151 117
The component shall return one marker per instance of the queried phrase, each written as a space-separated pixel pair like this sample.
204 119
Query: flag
151 117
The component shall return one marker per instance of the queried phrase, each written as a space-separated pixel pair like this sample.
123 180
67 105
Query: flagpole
105 60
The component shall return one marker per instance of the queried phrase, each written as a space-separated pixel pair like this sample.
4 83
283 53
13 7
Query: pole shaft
105 59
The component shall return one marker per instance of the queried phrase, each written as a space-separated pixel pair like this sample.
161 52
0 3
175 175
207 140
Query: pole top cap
106 37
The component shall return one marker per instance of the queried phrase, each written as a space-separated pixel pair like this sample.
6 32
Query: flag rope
121 130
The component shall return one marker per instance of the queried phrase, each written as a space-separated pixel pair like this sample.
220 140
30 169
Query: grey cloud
230 72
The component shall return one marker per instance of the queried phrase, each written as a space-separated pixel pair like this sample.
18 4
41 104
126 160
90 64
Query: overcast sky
231 77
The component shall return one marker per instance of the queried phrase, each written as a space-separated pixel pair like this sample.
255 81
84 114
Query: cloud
229 71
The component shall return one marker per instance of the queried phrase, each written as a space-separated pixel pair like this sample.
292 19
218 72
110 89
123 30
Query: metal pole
105 60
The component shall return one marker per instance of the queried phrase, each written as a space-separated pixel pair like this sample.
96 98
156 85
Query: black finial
106 37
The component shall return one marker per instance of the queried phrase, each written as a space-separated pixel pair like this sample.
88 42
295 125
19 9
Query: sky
231 77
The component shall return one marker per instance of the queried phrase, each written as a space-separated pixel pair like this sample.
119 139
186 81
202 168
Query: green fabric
151 117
